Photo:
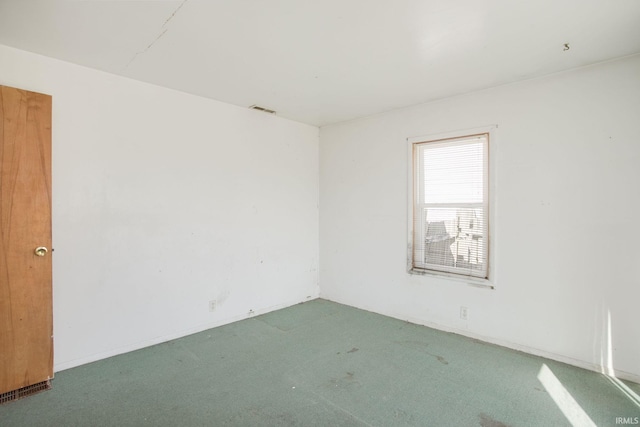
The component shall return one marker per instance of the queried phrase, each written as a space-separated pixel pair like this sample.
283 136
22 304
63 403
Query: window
449 229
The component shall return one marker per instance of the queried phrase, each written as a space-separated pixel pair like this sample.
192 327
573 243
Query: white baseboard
61 366
504 343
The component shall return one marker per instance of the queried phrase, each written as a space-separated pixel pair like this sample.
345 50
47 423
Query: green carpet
324 364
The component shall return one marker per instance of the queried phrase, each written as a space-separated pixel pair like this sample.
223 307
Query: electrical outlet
212 305
464 311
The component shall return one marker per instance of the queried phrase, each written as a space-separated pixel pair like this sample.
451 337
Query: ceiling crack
174 12
145 49
135 56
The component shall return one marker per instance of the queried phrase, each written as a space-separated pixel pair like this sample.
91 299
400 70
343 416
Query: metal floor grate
10 396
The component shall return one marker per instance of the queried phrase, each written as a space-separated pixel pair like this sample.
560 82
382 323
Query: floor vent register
29 390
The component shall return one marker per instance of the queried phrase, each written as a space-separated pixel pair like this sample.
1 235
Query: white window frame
489 204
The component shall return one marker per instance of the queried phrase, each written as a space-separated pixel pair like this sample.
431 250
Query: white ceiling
325 61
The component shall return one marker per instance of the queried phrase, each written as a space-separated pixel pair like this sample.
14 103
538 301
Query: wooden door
26 318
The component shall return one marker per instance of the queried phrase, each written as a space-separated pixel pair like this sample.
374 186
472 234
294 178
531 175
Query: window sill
472 281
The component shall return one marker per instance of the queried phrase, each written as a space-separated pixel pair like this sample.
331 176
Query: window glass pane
453 172
454 237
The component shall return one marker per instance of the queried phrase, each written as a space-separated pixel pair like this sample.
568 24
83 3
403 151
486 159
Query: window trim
412 163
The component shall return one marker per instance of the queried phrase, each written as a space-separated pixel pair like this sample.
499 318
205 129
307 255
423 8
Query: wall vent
264 110
10 396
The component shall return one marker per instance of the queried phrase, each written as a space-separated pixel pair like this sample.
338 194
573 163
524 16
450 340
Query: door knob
40 251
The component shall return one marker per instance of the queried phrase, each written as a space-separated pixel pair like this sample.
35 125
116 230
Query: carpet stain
346 382
489 421
421 346
442 360
353 350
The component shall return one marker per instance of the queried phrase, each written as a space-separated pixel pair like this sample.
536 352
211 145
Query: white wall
567 165
163 201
